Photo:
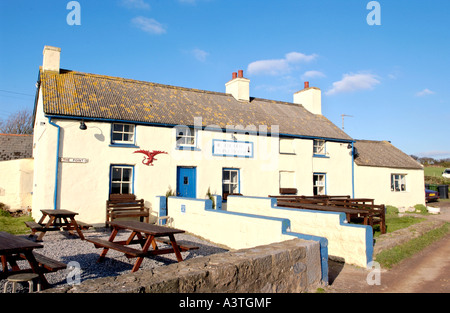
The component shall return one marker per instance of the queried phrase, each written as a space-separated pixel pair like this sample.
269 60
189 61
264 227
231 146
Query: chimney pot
306 85
234 75
241 73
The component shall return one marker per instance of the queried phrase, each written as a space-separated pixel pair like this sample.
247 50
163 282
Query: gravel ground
68 248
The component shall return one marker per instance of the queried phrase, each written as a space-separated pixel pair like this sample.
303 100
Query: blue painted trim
121 165
233 155
285 230
353 170
239 178
342 218
321 156
55 194
123 145
162 208
238 131
187 148
324 174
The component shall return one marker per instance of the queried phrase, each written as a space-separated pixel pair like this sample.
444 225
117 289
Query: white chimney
239 87
310 98
52 56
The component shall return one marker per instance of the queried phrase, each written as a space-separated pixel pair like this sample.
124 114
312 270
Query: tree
18 123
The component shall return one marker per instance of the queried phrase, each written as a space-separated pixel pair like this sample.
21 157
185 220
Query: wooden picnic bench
13 248
57 219
147 235
126 205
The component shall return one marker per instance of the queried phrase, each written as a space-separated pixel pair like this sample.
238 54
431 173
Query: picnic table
13 248
57 219
147 235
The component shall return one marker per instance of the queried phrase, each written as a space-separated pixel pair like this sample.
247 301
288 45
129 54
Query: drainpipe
55 196
353 170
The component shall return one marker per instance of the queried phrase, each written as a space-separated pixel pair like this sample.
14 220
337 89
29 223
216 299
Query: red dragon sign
149 156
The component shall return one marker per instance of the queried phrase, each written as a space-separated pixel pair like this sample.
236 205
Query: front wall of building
84 173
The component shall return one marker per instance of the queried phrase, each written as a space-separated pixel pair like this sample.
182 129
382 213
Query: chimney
239 86
310 98
51 60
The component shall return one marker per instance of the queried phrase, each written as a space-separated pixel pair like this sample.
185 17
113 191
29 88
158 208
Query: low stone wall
284 267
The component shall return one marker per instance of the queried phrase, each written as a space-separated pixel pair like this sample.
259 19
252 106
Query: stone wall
284 267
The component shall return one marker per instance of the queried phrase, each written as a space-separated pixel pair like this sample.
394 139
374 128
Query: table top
14 244
59 213
146 228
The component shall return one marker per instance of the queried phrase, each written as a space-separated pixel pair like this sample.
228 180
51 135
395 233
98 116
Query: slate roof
383 154
13 147
77 94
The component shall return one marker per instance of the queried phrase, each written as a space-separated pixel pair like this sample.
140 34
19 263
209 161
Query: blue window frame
231 182
319 184
123 135
121 179
319 148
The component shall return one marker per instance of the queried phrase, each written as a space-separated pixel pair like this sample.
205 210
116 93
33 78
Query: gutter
242 131
55 195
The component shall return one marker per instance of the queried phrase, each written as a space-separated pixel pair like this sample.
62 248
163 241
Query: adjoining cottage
382 171
95 135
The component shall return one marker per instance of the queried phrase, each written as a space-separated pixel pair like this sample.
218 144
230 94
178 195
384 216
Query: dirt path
426 272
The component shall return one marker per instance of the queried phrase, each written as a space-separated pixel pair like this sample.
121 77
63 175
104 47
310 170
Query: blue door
186 182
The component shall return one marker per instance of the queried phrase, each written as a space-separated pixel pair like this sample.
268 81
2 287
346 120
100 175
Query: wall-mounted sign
243 149
73 160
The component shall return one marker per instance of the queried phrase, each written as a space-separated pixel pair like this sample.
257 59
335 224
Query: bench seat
101 243
181 246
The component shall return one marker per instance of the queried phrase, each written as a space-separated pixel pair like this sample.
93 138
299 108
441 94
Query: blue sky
392 79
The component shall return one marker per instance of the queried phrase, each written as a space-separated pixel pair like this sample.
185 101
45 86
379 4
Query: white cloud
200 54
425 92
354 82
148 25
279 66
313 74
135 4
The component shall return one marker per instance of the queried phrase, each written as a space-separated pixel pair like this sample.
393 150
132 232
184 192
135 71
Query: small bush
420 208
391 210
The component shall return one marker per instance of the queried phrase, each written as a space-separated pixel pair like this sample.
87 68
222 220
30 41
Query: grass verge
14 225
389 258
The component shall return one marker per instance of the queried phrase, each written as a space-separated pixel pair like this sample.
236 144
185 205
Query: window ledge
321 156
187 148
123 145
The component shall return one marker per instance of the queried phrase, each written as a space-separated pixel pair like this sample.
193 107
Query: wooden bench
46 264
183 247
126 205
36 227
129 252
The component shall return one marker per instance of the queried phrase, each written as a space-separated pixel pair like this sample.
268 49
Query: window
398 182
123 134
230 182
319 184
319 147
121 179
287 146
185 137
